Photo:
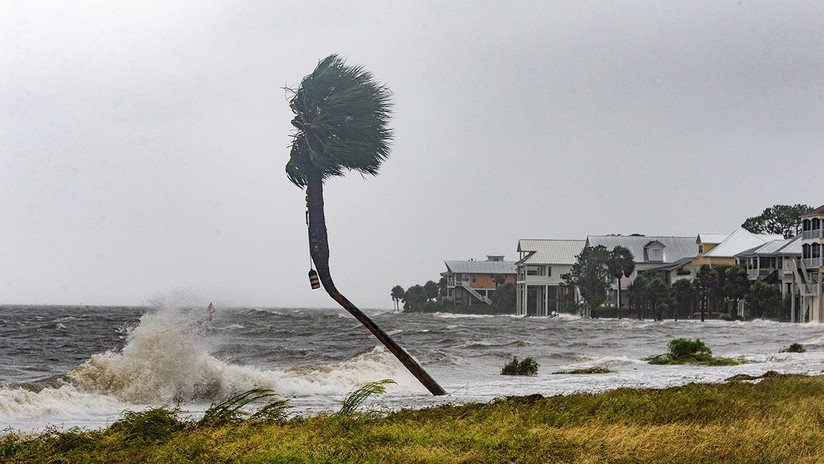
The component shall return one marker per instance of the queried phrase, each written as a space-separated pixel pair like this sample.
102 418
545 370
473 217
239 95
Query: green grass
779 419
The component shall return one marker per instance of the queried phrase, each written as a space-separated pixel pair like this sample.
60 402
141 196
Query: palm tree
341 117
621 263
397 295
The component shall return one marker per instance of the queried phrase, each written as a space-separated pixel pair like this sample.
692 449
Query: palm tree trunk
619 297
319 250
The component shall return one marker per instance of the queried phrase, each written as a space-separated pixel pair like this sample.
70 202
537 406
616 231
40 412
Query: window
549 271
656 254
474 277
700 248
532 270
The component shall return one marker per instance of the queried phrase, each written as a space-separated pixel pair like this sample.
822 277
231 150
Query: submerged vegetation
795 348
587 370
686 351
778 419
527 366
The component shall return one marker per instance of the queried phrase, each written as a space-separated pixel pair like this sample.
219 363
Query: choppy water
82 366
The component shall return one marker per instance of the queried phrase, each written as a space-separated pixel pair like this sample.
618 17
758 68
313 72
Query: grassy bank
780 419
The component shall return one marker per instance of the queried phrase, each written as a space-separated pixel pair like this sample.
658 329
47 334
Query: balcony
812 263
811 234
758 274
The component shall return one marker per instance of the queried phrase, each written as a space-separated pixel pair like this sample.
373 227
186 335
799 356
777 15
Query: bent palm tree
341 117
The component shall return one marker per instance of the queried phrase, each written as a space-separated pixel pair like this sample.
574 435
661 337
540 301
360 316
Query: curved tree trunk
319 249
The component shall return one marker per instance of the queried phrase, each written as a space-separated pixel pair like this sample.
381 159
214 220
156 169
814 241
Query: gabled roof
769 248
711 238
653 243
741 240
676 247
814 212
792 248
481 267
550 251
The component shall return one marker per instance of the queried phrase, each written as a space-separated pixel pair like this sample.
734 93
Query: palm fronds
341 117
355 398
230 410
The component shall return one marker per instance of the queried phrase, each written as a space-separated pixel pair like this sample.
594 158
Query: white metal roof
675 248
481 267
551 251
741 240
793 247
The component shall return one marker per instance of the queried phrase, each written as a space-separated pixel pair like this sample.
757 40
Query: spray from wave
167 360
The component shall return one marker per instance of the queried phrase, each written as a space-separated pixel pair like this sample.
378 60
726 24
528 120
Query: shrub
682 348
795 348
526 367
683 351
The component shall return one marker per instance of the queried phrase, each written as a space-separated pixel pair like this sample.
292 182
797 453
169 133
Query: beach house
474 282
810 270
540 265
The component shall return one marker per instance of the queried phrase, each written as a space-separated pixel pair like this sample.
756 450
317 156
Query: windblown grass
778 419
354 399
231 410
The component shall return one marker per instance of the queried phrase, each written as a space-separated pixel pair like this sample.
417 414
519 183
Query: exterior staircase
474 293
806 287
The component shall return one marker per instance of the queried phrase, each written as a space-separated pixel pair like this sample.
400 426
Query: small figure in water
211 310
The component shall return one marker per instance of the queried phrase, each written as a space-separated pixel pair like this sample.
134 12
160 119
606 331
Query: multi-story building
776 263
670 255
724 253
474 282
810 270
541 263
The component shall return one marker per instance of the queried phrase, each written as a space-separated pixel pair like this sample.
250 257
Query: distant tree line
715 291
431 298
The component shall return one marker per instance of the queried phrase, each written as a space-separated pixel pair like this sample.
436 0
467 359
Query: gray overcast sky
142 144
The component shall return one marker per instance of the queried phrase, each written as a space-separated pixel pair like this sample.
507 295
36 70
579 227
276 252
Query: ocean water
83 366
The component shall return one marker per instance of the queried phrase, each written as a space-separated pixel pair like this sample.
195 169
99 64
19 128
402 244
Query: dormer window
654 251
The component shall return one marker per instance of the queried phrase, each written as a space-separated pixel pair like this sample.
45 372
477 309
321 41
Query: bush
795 348
684 351
526 367
682 348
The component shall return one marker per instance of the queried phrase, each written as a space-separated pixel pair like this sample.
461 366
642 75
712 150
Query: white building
540 265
